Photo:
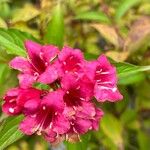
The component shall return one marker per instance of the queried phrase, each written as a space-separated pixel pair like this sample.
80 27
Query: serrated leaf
10 133
108 32
93 16
55 29
13 41
123 7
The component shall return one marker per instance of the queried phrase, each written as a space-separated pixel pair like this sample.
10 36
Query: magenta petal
86 110
82 125
107 93
11 93
32 48
103 61
54 100
60 124
49 52
11 108
49 76
21 64
67 51
31 106
98 116
50 136
28 125
26 80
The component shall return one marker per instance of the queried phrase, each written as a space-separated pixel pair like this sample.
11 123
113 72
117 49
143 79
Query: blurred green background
118 28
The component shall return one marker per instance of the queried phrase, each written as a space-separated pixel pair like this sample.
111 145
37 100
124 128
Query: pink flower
39 66
19 100
86 118
67 109
48 120
103 75
71 61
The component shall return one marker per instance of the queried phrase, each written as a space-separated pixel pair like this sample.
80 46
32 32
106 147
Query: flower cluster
66 109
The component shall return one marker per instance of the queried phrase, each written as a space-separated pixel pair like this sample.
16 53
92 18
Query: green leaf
13 41
93 16
9 132
7 78
55 28
143 139
112 128
123 7
126 69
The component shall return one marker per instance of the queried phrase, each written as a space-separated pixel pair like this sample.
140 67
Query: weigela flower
71 61
103 74
39 65
18 100
66 109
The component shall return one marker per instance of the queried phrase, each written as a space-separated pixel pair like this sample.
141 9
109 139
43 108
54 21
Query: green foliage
13 41
93 16
124 6
9 132
122 33
55 28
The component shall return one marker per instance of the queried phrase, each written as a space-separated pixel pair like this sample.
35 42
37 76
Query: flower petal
26 80
60 124
49 52
107 93
54 100
32 48
82 125
50 75
21 64
28 125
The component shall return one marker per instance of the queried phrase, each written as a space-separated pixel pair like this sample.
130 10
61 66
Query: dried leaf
2 23
138 35
108 32
117 56
25 14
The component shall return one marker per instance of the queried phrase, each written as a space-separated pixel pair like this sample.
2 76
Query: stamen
78 64
11 110
33 116
46 64
72 123
41 55
64 63
75 130
44 108
66 137
50 126
66 71
71 57
105 82
56 113
83 99
12 100
67 92
98 80
108 88
99 71
74 108
78 88
104 72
